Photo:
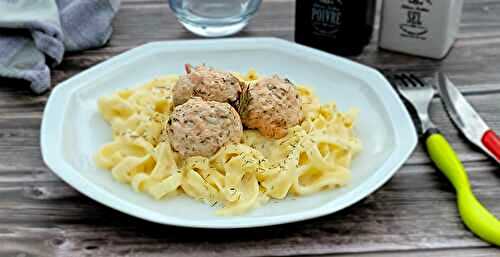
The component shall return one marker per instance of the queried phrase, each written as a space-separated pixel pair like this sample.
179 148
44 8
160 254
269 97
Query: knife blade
467 119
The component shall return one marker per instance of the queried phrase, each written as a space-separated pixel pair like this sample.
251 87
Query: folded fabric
34 34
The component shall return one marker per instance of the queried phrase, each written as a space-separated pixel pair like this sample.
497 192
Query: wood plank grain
393 218
459 252
414 214
130 24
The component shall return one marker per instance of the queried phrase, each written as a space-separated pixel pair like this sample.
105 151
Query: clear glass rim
216 22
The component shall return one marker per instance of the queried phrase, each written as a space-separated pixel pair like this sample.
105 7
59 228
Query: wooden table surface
414 214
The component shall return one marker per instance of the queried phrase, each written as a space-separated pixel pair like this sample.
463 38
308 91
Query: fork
419 95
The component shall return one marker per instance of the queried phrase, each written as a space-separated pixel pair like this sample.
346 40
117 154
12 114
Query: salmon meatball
201 128
271 105
208 83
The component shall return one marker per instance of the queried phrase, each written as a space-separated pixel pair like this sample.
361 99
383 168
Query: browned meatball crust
208 83
201 128
271 105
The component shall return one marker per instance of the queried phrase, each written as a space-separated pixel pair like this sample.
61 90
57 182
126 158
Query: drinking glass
214 18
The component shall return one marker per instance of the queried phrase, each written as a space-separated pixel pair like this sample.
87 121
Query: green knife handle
477 218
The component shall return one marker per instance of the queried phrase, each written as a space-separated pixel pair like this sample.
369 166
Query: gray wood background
414 214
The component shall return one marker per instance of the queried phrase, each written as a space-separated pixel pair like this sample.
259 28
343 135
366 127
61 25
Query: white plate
73 130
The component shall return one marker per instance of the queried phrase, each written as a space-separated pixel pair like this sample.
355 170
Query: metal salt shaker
425 28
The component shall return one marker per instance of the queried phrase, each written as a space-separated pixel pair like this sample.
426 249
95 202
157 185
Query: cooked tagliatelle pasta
314 156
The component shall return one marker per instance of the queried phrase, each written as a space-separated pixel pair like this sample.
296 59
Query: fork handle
477 218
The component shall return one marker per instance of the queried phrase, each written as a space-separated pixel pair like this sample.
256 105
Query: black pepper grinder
342 27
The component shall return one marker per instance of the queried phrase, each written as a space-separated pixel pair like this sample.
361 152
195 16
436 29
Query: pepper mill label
414 26
326 17
341 27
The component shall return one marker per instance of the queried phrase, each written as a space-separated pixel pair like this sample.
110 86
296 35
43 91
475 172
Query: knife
466 118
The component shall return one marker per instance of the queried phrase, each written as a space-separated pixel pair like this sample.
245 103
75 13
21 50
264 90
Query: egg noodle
314 156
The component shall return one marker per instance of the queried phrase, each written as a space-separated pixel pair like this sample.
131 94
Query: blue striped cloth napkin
35 34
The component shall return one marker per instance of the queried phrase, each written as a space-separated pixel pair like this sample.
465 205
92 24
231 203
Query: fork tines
406 80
